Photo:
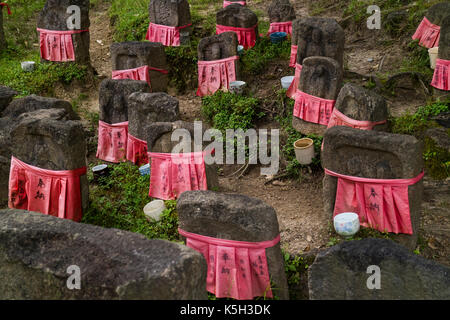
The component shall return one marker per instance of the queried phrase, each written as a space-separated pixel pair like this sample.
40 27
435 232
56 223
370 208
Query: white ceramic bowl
286 81
237 87
240 49
154 209
346 224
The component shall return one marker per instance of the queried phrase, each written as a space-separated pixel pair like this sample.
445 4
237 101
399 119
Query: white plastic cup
304 150
286 81
433 52
154 209
346 224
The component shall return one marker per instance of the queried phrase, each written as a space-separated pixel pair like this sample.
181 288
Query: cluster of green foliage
437 160
255 61
42 79
226 110
129 19
117 201
294 167
295 267
183 66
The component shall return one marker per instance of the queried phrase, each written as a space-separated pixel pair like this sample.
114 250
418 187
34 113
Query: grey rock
444 40
218 47
440 137
378 155
281 11
318 37
113 98
6 96
174 13
145 108
33 103
341 273
54 16
438 12
443 119
320 77
236 15
3 43
361 104
36 250
235 217
135 54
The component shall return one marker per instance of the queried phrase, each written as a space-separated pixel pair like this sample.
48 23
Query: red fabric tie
294 85
293 59
441 77
313 109
168 36
140 73
236 269
174 173
57 46
137 151
3 4
112 141
214 75
428 34
281 27
381 204
246 36
227 3
55 193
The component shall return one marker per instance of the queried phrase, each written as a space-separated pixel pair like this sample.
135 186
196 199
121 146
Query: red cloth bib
281 27
441 77
55 193
168 36
428 34
236 269
294 85
382 204
227 3
292 61
174 173
140 73
339 119
112 141
214 75
137 151
313 109
57 45
246 36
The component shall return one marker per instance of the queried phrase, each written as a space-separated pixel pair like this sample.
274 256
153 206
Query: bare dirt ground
298 204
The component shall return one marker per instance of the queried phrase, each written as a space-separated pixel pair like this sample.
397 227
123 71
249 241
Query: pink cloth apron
441 77
246 36
140 73
281 27
428 34
292 61
236 269
168 36
112 141
313 109
57 45
137 151
55 193
3 4
339 119
381 204
214 75
174 173
227 3
294 85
